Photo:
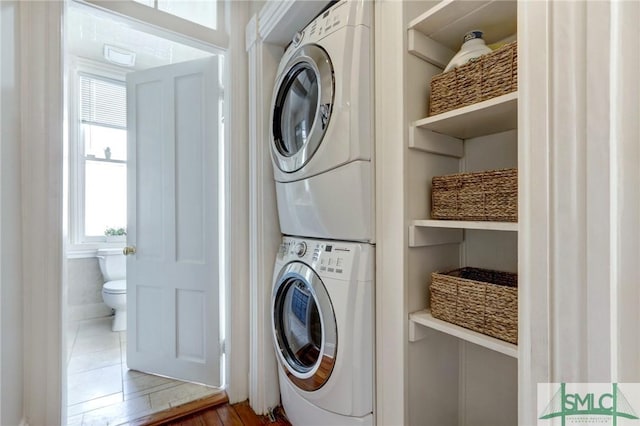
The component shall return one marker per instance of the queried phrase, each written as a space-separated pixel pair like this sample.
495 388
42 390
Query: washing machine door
304 326
302 105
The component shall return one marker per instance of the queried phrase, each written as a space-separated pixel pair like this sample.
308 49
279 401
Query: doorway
101 50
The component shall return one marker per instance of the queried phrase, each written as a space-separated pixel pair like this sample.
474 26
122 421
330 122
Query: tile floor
101 390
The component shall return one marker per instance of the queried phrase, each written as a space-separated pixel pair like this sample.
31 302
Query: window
203 12
196 23
101 158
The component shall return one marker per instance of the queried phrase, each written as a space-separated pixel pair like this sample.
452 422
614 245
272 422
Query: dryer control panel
329 21
344 13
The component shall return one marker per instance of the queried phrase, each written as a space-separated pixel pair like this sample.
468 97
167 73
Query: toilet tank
113 264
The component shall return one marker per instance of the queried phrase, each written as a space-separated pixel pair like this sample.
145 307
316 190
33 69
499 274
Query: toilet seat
115 287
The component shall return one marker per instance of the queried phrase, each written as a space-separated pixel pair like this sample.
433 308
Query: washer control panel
335 258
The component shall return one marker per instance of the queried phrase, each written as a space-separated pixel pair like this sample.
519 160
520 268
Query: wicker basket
485 196
478 299
490 75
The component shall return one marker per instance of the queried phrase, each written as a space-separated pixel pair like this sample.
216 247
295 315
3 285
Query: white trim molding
237 206
251 33
579 195
392 335
42 146
11 288
272 14
624 189
279 20
533 201
265 232
266 36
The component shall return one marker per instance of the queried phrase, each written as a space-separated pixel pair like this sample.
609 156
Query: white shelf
484 118
420 236
463 224
435 143
448 21
425 319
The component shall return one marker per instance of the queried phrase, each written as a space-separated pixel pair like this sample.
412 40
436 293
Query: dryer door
302 105
304 326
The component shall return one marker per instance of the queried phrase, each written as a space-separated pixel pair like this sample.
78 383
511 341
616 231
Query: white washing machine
322 127
322 318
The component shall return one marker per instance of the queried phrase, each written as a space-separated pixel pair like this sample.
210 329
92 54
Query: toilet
113 266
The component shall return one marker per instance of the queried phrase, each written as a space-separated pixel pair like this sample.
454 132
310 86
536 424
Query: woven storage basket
490 75
478 299
485 196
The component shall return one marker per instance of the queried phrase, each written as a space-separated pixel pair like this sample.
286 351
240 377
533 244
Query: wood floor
211 411
230 415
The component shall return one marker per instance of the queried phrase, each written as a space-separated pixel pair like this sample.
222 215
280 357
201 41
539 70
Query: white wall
84 290
11 324
255 6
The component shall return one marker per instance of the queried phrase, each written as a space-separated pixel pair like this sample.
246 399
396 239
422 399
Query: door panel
148 316
191 325
173 278
148 131
190 167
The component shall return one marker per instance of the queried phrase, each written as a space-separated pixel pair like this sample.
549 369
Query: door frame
44 199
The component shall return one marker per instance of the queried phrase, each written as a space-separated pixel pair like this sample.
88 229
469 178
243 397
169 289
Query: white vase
116 238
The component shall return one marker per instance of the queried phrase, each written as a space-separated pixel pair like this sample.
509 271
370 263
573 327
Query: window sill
88 250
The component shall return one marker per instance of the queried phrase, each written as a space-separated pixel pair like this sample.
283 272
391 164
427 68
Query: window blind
103 102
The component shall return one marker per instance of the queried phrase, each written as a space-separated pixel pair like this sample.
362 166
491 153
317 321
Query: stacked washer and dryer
323 290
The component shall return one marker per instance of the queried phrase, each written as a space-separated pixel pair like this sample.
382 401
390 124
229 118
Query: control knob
297 38
300 249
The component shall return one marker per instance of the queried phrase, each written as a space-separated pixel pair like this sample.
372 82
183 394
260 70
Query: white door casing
173 278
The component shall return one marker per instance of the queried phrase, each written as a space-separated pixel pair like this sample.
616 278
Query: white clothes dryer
322 129
322 320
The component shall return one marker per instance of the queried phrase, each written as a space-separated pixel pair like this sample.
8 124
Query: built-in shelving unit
423 318
435 36
444 369
482 137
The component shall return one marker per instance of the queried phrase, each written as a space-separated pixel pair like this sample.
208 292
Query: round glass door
297 109
304 326
302 107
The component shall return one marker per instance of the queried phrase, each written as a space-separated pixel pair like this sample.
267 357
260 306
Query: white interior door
173 277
